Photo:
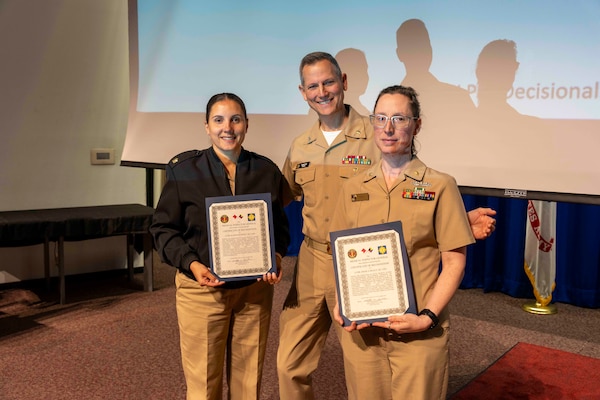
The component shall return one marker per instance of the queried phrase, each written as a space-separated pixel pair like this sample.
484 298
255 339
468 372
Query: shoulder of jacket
186 155
358 126
440 176
306 137
262 158
420 172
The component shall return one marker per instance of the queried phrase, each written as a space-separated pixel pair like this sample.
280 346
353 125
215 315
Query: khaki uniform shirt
430 207
316 171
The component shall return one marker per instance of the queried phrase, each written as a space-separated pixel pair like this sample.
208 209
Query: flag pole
540 255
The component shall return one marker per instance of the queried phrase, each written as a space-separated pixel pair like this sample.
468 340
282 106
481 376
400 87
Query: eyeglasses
398 121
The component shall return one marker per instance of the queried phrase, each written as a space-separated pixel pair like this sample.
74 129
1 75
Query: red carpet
534 372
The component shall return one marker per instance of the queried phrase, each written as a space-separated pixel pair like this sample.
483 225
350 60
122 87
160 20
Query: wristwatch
434 318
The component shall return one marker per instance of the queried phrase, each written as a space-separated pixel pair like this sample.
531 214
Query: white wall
64 89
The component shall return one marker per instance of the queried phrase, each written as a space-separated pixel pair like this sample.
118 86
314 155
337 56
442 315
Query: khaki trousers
381 365
218 326
303 328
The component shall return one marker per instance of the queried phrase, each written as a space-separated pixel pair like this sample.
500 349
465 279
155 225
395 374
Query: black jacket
179 225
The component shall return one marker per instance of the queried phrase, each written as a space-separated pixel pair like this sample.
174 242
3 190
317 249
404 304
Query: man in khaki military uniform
315 168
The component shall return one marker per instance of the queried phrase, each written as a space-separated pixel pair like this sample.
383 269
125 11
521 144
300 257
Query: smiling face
389 139
226 126
322 88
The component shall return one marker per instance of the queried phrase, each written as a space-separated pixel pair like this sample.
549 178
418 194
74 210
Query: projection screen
509 90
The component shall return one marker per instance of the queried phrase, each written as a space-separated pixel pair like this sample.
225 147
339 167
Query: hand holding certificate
240 236
372 273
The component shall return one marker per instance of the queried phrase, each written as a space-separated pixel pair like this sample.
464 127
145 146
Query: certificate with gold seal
240 235
372 273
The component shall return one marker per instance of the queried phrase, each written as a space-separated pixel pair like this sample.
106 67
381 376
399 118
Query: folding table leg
47 263
61 268
148 260
130 256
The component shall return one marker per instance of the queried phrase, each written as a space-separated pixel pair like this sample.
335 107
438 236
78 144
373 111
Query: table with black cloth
32 227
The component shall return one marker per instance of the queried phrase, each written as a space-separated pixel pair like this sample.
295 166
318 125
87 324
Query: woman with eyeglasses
405 357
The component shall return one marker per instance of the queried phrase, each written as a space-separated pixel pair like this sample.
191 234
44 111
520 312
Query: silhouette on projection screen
510 91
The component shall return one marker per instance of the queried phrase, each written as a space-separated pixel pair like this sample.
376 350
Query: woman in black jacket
218 319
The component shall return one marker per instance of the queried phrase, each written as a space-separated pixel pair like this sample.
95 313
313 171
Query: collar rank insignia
359 197
350 159
418 194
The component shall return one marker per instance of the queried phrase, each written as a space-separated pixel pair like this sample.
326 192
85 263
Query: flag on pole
540 245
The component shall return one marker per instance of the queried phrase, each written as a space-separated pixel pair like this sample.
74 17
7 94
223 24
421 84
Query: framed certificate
372 273
240 236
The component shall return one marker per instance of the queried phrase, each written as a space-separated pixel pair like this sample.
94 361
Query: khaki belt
323 247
